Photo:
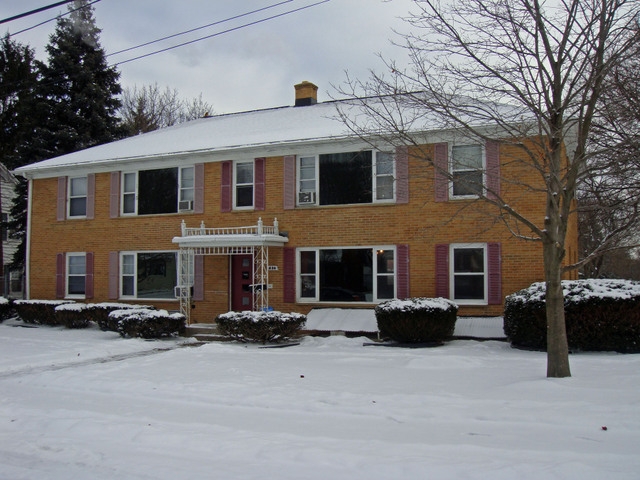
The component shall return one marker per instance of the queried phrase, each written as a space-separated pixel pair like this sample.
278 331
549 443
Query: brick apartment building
280 208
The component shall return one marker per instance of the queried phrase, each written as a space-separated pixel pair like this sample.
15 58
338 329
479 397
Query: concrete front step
205 332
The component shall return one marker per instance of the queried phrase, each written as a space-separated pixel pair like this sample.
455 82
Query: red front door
241 280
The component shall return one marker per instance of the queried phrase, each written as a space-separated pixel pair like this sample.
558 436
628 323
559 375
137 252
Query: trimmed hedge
260 327
39 312
600 315
72 315
99 313
6 309
417 320
147 323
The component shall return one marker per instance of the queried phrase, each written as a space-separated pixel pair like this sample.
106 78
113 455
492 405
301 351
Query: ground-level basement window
151 275
346 274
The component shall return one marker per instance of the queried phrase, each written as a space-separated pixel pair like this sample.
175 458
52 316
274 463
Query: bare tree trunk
557 344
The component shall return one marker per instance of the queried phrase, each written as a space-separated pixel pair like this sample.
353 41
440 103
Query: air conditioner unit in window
185 205
306 198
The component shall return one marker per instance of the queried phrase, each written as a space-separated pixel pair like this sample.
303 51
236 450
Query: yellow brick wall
422 223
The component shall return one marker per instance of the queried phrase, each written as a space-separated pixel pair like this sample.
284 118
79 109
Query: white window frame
68 274
236 184
374 273
133 192
485 274
183 192
122 274
70 197
299 180
374 177
452 171
179 186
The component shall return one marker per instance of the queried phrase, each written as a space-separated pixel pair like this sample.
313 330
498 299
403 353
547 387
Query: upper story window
345 178
76 274
244 183
467 170
164 190
354 274
77 204
469 273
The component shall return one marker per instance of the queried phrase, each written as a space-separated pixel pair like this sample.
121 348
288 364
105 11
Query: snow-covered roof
221 133
268 132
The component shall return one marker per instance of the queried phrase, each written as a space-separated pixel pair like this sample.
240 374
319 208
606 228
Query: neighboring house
279 208
13 279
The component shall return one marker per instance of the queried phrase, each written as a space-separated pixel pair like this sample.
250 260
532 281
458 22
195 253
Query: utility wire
54 18
37 10
199 28
220 33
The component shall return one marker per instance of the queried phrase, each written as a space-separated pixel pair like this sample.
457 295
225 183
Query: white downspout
27 255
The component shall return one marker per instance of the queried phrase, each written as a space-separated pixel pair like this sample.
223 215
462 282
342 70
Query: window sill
471 303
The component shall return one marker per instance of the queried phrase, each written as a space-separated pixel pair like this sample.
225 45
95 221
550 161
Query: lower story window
148 274
346 274
76 274
469 273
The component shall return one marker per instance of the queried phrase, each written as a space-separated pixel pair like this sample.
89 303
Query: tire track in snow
93 361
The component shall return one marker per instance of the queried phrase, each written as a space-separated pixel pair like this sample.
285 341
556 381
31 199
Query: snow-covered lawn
90 405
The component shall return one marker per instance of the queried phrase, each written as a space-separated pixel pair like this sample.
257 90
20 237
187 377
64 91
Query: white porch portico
253 240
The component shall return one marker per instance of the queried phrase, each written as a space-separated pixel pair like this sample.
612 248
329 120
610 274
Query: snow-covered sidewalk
364 320
88 404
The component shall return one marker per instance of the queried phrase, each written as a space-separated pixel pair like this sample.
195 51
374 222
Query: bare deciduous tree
534 70
150 108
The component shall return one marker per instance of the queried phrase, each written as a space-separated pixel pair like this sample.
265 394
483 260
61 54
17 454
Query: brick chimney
306 94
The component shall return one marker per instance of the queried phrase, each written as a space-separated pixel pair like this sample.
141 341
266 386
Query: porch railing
259 229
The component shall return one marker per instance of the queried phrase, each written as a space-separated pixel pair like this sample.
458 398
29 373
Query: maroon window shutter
198 192
114 195
289 274
88 281
442 270
402 269
60 278
91 196
494 267
289 188
441 164
402 174
114 275
492 151
198 277
225 187
62 198
259 180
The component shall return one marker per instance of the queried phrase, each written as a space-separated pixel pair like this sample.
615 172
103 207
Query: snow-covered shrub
38 311
99 313
260 327
600 315
72 315
6 308
417 320
147 323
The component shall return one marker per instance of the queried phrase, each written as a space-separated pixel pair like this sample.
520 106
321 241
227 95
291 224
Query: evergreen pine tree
17 84
79 90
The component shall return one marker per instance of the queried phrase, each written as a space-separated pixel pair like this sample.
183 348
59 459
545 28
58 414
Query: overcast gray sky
251 67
